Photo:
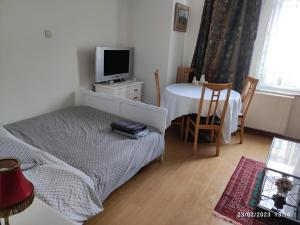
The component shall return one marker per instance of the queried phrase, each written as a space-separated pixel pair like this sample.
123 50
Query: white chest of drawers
127 89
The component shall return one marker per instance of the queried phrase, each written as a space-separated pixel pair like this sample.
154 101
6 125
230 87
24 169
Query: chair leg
219 142
196 140
161 158
182 127
187 129
212 136
242 131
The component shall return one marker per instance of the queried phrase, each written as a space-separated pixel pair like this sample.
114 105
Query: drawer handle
136 89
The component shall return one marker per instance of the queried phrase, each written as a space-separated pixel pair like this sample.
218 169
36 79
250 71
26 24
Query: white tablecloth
183 99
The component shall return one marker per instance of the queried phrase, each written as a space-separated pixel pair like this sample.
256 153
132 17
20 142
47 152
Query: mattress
82 137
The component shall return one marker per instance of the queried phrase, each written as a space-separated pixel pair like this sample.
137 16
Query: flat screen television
113 63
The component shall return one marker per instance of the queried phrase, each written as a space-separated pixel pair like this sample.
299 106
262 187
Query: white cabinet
127 89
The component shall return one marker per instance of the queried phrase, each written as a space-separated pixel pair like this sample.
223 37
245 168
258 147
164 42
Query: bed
74 159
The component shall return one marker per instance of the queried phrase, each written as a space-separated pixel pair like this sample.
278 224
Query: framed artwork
181 17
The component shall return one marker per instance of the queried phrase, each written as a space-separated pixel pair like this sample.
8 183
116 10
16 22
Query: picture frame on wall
181 17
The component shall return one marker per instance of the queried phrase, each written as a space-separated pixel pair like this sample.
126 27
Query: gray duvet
65 188
82 137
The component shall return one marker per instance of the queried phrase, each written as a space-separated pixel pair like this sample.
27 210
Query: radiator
270 112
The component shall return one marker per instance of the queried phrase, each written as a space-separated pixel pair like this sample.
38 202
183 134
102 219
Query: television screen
116 62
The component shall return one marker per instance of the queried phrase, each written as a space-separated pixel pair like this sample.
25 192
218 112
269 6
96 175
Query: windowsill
278 92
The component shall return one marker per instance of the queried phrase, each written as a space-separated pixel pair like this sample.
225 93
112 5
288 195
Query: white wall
39 75
149 33
293 127
275 113
177 46
265 115
157 45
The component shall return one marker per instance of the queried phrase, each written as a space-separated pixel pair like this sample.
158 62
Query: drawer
123 92
135 89
135 96
107 91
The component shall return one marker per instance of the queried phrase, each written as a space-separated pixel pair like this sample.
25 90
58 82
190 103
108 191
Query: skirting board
270 134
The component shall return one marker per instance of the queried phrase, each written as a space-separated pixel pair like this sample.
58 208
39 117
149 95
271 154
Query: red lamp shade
16 192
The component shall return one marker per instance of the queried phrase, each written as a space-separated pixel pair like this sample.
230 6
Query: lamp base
6 221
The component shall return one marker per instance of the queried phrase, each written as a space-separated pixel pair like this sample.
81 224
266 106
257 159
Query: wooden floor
183 189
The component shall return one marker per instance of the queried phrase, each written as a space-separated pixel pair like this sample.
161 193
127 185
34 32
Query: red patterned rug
241 196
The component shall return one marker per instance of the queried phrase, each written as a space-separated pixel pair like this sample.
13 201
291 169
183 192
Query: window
276 56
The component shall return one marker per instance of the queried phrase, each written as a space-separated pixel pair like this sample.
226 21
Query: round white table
183 99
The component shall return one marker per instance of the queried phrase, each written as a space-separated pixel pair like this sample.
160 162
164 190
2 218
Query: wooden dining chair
210 121
157 85
246 96
177 122
182 77
183 74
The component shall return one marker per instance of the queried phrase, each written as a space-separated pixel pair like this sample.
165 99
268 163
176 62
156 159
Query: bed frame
132 110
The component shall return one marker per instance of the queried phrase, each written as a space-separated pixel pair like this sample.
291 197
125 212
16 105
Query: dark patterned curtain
226 39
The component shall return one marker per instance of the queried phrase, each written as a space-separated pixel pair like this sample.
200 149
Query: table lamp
16 192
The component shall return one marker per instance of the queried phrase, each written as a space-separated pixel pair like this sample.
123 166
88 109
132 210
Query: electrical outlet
48 34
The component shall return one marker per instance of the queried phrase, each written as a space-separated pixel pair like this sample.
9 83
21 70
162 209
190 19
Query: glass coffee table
280 193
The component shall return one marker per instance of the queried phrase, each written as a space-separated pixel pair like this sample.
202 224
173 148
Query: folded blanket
128 126
133 136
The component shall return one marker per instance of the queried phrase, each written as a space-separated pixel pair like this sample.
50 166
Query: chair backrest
156 76
183 74
214 102
247 93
